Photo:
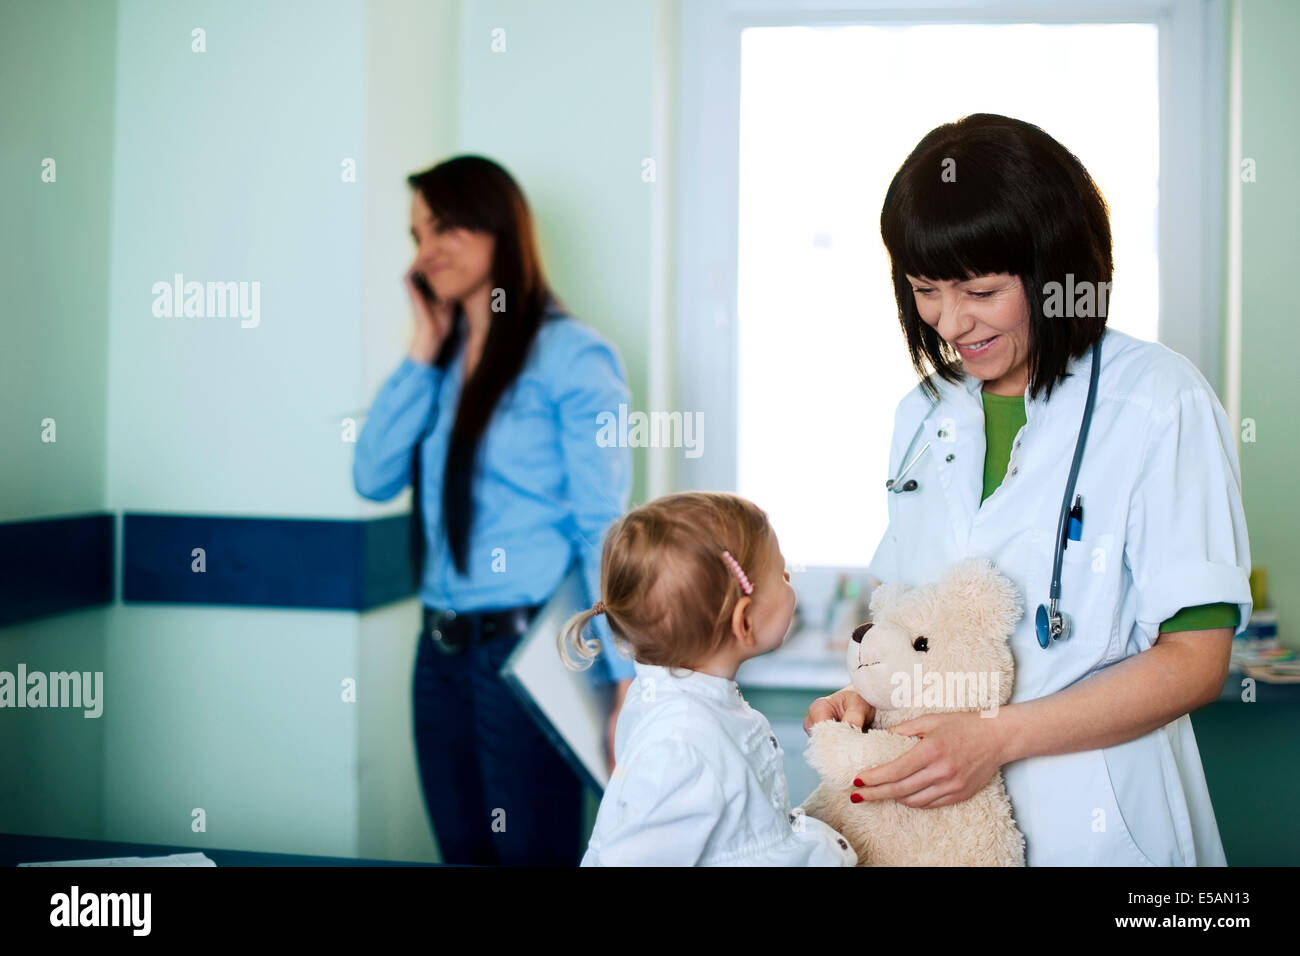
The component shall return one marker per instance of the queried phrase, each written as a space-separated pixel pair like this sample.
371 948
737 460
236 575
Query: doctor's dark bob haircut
1018 202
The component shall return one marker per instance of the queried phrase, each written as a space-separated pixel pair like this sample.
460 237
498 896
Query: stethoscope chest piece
1050 624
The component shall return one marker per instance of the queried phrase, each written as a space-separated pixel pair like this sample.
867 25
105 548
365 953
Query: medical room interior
706 179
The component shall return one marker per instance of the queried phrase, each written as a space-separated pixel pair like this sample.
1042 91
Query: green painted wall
1270 241
570 108
57 62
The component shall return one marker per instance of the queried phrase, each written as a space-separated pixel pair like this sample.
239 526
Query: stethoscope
1049 622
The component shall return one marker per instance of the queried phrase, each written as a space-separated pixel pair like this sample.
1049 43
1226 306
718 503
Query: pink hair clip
736 570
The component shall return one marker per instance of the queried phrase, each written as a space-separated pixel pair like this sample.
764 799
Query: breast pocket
1090 575
1094 554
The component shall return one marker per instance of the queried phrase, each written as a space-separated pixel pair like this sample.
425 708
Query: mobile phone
422 284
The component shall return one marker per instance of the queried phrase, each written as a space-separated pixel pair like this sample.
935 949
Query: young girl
695 583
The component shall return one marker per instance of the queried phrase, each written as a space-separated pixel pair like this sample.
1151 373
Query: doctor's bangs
991 194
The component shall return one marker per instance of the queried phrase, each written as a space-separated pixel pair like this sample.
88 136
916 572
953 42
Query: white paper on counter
174 859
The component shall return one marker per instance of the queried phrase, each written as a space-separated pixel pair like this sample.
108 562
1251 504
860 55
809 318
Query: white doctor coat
1163 529
699 781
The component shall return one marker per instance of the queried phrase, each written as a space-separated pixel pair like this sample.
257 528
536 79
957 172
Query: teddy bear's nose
859 631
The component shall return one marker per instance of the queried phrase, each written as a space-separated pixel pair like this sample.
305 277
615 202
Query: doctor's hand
844 705
958 753
620 692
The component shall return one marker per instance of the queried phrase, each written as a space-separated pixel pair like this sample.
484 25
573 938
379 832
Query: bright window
826 116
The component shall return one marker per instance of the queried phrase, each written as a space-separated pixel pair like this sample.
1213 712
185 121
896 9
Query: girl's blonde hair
667 590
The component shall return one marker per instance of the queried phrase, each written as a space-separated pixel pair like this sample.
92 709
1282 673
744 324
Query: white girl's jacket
1163 529
698 781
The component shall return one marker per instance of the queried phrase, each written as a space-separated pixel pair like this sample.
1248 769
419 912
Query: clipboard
569 707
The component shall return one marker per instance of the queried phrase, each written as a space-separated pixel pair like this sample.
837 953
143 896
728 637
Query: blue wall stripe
52 565
266 562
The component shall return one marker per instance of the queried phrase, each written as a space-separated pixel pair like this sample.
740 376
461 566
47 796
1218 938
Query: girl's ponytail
576 652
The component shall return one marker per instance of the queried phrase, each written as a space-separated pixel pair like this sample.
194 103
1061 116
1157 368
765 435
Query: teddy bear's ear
975 585
884 596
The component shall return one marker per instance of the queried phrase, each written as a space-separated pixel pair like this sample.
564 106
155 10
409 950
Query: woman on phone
492 419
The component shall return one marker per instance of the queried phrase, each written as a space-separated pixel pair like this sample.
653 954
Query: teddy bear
936 648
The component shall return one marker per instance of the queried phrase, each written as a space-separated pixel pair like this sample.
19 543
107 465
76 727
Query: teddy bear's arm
838 752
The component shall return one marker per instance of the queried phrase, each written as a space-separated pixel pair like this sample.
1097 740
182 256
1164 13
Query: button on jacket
545 490
698 781
1163 529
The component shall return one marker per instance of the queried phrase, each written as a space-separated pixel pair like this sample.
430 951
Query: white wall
228 167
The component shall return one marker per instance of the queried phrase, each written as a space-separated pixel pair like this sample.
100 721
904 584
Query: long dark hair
475 193
1021 203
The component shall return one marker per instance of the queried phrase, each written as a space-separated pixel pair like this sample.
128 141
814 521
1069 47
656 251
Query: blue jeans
496 791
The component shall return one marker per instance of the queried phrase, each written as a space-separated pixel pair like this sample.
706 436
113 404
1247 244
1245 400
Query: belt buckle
435 626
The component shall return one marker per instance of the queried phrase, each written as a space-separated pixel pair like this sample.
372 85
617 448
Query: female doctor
1001 256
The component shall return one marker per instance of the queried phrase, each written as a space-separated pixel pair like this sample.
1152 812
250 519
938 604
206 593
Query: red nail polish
855 797
857 782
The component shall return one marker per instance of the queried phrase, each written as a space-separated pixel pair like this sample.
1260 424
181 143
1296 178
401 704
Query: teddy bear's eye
920 644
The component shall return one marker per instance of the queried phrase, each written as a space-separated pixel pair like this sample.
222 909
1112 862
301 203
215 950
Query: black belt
453 631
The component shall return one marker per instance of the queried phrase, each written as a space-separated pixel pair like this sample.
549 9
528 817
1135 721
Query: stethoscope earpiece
910 484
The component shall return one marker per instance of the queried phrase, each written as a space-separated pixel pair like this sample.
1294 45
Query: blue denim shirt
545 491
